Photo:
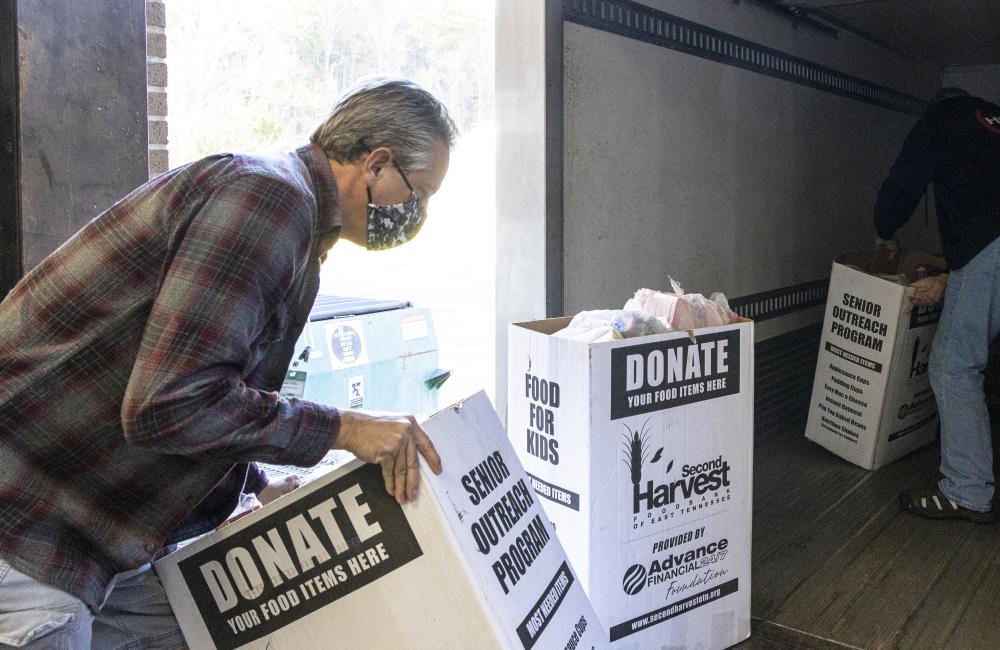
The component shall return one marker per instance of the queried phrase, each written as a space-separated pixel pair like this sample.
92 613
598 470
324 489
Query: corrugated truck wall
744 164
717 142
980 80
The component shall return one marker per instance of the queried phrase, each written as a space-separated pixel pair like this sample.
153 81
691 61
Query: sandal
932 504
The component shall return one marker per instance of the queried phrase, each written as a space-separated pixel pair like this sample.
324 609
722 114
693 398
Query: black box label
320 548
662 375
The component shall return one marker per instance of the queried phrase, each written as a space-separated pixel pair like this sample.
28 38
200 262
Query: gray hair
386 112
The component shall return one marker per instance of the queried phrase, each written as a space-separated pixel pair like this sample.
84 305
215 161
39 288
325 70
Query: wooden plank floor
835 564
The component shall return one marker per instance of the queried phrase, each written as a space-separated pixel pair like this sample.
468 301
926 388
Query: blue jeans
970 320
135 614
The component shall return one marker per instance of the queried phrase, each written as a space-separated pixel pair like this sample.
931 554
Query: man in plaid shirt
139 364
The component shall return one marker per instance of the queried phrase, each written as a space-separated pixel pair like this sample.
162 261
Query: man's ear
375 163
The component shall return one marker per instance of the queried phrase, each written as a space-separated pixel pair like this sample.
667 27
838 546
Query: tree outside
256 75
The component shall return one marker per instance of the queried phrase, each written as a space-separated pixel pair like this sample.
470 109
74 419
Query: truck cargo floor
836 564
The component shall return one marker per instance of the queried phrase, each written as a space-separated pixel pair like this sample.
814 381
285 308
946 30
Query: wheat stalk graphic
636 450
635 447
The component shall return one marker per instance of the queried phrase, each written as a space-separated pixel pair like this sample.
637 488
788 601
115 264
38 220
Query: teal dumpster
360 353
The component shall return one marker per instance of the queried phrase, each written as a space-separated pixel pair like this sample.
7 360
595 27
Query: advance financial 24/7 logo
674 565
634 579
700 485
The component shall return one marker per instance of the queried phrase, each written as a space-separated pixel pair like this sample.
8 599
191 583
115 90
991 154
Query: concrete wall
980 80
82 106
723 178
10 156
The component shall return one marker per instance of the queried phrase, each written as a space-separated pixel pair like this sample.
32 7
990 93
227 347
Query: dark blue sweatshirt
956 146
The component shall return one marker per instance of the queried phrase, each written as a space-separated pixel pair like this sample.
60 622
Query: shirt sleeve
227 274
256 479
908 179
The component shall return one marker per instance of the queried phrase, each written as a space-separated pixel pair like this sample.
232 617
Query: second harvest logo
659 493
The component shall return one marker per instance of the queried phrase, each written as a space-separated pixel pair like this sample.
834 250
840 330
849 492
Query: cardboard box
643 452
472 563
872 401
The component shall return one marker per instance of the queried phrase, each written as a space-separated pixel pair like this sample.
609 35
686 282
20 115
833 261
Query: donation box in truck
642 452
473 562
872 400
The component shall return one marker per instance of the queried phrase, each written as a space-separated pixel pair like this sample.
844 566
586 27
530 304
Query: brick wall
156 86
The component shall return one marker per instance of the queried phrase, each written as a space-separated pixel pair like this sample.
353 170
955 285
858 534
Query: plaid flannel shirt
138 364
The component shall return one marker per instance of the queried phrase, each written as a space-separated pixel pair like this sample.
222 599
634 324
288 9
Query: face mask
392 225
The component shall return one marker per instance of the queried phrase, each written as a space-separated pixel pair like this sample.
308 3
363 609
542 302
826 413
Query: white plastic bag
589 334
611 325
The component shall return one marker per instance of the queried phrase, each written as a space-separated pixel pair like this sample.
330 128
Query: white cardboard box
872 401
642 450
472 563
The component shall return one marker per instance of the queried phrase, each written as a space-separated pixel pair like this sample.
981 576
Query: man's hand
930 290
889 244
392 441
275 489
885 255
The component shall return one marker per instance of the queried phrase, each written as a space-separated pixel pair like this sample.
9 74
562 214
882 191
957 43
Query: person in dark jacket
956 147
